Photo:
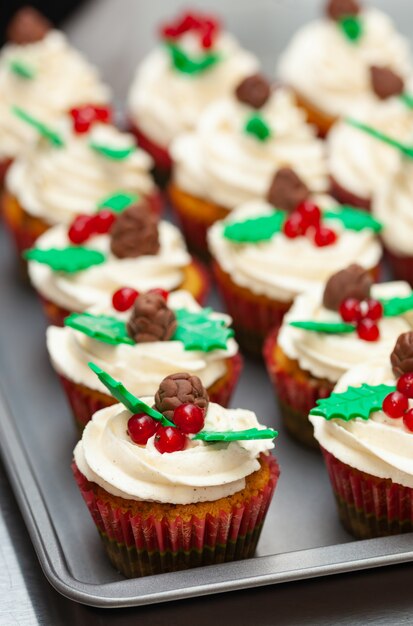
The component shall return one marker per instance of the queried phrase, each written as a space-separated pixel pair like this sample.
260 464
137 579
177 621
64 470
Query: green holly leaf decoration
255 229
405 149
352 27
191 65
125 397
101 327
118 202
257 126
109 152
397 306
70 260
52 136
354 219
199 331
237 435
353 403
329 328
407 98
22 69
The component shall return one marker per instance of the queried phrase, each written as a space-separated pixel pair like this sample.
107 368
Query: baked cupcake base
369 506
160 155
144 538
321 120
4 166
85 401
343 196
401 266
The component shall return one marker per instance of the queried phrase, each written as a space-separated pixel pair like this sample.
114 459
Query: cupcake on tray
365 430
186 483
195 63
328 62
40 69
327 331
76 267
139 339
263 257
79 165
232 155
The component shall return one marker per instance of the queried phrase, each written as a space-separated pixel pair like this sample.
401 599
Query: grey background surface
115 35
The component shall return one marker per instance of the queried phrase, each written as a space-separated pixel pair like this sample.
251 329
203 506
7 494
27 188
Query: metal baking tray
302 537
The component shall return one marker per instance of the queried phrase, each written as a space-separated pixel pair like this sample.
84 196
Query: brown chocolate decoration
337 9
135 232
402 356
27 26
353 282
178 389
151 319
254 91
385 82
287 190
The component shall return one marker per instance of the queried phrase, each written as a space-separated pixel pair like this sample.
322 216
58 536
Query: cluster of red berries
83 117
84 226
207 28
124 298
305 220
365 314
396 404
188 419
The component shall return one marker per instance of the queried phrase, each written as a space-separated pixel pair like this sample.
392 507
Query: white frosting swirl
281 268
141 366
200 473
56 183
95 285
332 72
221 162
379 446
330 356
165 102
62 79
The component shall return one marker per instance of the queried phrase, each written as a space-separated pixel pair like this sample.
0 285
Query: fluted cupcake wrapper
369 506
401 266
160 154
4 166
140 545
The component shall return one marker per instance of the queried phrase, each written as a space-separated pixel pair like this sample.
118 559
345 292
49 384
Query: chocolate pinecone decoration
151 319
353 282
27 26
385 82
178 389
254 91
135 232
287 190
337 9
402 356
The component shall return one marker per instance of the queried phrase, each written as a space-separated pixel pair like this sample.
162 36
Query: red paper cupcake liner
4 166
195 233
401 266
140 545
369 506
160 154
344 196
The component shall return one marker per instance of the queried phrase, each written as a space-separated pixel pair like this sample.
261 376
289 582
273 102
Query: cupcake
263 258
232 156
183 484
195 64
327 331
329 61
74 169
41 70
139 339
365 430
130 249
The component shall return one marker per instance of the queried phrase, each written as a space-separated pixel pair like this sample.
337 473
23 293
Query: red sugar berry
374 309
310 212
324 237
350 310
294 226
395 405
81 229
405 384
189 418
141 427
408 419
162 292
103 221
368 330
82 118
124 298
169 439
103 114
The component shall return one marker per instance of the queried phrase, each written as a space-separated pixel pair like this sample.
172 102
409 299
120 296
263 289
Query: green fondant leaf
182 62
199 331
354 219
405 149
118 201
352 27
353 403
116 154
330 328
255 229
22 69
101 327
43 130
237 435
257 126
131 402
71 259
397 306
407 98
